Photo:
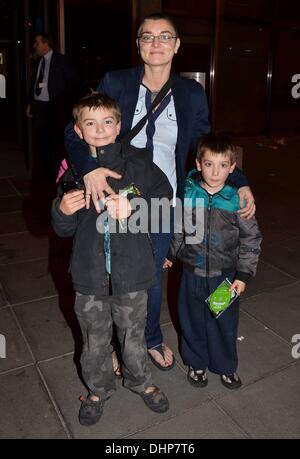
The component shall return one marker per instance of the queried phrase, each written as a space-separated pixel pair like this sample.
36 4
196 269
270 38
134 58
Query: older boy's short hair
94 101
216 143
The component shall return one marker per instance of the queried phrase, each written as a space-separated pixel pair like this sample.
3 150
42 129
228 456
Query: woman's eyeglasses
162 38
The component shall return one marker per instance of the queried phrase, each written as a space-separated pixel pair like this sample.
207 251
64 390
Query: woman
170 133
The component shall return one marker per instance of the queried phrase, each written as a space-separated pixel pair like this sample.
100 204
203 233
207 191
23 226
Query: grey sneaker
155 400
90 411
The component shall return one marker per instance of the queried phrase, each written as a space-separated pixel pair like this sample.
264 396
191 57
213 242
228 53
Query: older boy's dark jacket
132 264
228 243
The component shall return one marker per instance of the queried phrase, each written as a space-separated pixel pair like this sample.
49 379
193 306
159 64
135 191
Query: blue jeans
161 243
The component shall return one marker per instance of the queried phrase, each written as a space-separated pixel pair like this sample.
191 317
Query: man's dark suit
49 118
62 82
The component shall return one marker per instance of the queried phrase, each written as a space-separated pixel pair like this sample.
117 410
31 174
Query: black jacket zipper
208 234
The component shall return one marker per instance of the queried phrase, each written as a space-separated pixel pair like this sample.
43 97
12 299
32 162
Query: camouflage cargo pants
96 316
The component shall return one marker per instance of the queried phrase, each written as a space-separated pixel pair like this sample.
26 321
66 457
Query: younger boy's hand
167 264
239 286
72 201
118 207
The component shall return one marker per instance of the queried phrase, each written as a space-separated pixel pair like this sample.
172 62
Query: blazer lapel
181 110
131 93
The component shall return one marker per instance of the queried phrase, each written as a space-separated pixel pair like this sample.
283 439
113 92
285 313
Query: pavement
40 338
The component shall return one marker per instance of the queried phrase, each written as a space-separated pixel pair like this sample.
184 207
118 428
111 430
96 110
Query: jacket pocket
138 108
171 113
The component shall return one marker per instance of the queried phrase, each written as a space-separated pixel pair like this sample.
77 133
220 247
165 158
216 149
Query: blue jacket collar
194 178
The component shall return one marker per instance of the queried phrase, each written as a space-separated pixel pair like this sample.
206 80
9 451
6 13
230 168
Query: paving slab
19 247
260 354
22 184
17 353
29 414
206 421
12 222
12 159
272 219
3 298
27 281
125 413
279 310
49 326
284 255
10 203
267 278
275 231
270 408
6 188
271 354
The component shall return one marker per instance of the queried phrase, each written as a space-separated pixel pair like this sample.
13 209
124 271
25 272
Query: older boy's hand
72 201
239 286
167 264
245 194
96 184
118 206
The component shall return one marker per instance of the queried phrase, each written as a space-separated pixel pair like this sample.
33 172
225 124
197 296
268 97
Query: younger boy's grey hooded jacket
223 241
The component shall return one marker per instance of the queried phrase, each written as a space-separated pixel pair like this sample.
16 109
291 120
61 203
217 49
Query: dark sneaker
155 400
90 411
197 377
231 381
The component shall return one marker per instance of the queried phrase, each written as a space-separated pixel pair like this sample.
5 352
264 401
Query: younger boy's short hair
216 143
94 101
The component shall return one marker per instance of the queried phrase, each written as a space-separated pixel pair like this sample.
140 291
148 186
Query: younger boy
229 249
111 270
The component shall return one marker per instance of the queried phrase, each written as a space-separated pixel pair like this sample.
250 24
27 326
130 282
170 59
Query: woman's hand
246 196
96 184
72 201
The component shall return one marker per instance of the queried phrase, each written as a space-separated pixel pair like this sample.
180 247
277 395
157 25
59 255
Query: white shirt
44 96
164 139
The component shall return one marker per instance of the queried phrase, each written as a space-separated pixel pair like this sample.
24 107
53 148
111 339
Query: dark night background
248 49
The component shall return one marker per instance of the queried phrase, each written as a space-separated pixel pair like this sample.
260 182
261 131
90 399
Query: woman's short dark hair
157 17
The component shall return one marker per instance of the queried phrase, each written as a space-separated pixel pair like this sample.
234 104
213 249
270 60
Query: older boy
230 248
111 271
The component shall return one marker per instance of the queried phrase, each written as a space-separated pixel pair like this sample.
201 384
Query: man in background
54 88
